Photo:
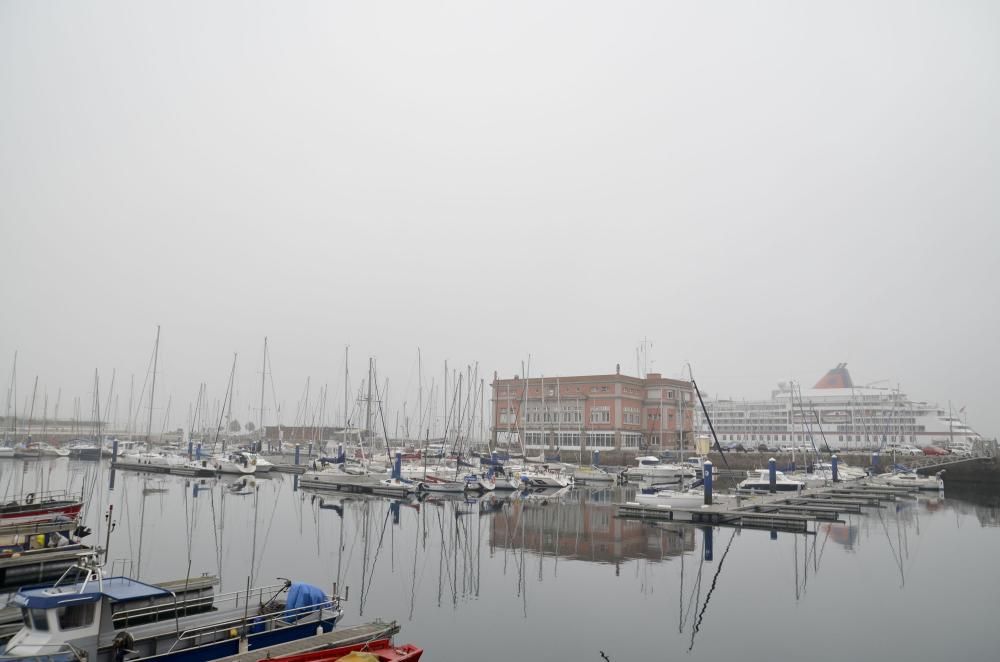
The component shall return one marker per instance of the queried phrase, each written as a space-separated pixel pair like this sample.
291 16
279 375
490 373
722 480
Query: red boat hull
380 648
39 512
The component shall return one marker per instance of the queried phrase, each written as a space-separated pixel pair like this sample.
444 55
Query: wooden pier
791 512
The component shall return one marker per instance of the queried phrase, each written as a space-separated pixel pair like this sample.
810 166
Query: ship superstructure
839 414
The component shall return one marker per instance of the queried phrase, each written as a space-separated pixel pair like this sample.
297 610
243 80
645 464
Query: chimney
618 368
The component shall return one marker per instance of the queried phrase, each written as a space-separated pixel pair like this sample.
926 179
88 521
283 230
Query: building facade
593 412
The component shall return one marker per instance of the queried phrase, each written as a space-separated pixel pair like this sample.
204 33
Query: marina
433 562
403 332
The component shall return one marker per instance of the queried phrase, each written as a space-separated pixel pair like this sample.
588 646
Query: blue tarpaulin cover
301 596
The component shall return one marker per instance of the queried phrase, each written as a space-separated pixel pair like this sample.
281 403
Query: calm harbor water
559 577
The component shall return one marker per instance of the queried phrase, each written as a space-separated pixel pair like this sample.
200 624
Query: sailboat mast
346 349
420 394
263 375
152 387
368 401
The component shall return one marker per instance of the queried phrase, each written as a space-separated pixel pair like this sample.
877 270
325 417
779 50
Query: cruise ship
838 414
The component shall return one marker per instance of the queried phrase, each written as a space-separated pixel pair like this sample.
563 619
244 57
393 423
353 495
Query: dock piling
707 480
772 475
833 468
298 453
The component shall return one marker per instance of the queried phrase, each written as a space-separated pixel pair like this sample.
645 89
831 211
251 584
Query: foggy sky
762 189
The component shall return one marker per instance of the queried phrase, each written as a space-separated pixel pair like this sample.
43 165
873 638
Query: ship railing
61 652
231 600
45 497
251 622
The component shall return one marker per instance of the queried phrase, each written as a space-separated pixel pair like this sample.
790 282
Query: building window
600 414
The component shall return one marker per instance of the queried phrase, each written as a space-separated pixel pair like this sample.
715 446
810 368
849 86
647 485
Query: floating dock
776 512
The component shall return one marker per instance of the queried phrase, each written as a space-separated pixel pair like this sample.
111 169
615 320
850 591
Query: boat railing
259 622
45 497
232 600
60 652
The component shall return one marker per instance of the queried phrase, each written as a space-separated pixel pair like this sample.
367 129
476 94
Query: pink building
593 412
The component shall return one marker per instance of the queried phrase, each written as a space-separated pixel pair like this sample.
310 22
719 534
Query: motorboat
377 650
689 498
84 450
912 479
87 617
759 480
652 468
235 463
480 482
40 507
262 464
545 477
6 451
593 474
152 460
344 474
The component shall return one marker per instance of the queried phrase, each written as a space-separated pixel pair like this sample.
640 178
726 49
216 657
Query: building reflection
583 527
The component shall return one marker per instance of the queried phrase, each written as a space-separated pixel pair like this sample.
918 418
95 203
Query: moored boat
40 507
650 467
94 618
912 480
379 650
760 481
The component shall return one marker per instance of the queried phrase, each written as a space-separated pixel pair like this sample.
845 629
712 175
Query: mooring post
310 449
875 463
774 534
772 475
833 467
190 449
397 467
597 458
114 460
198 452
298 453
707 481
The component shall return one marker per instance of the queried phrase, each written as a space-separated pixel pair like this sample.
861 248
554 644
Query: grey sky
763 189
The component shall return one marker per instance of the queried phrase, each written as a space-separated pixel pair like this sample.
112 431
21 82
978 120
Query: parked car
934 450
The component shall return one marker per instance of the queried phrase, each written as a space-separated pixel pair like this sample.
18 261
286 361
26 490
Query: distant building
593 412
298 433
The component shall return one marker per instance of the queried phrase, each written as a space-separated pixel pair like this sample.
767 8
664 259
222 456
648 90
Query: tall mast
152 388
420 394
12 395
263 373
445 412
346 348
368 401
